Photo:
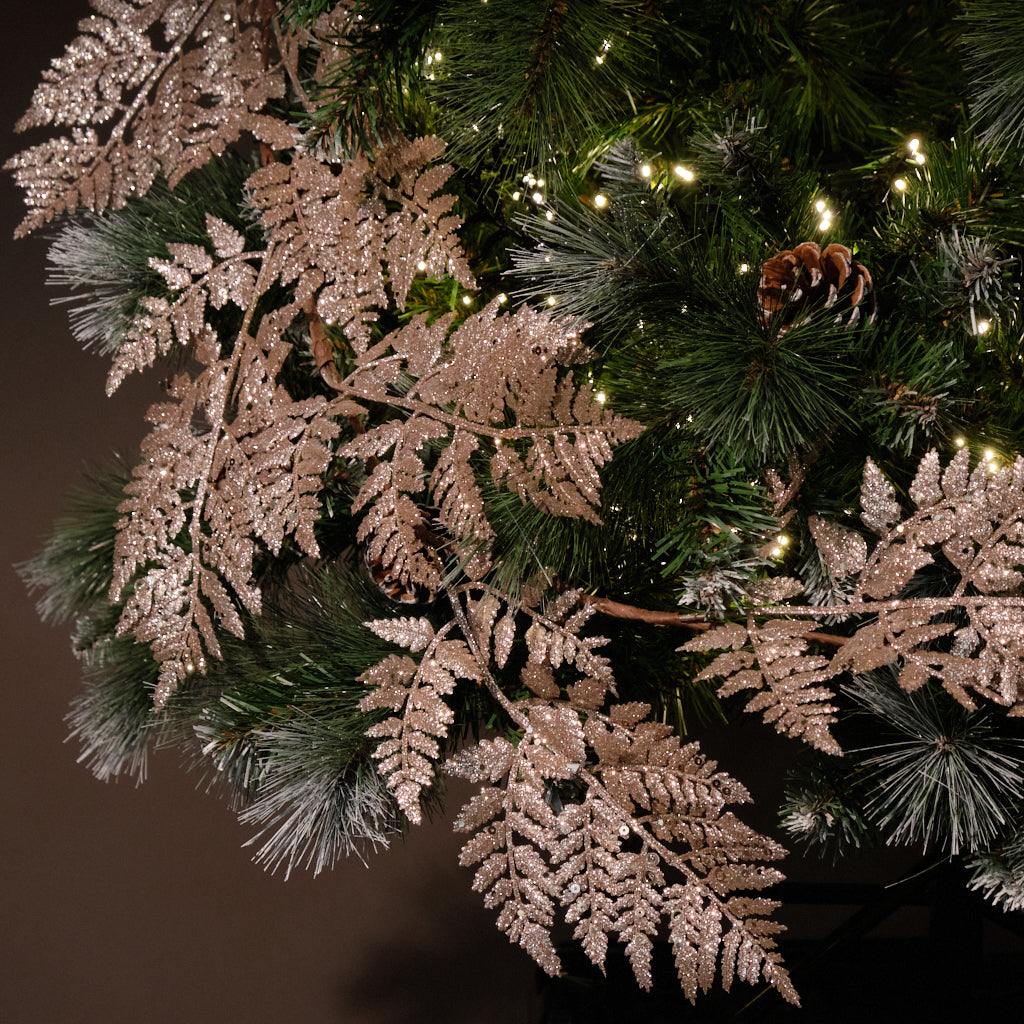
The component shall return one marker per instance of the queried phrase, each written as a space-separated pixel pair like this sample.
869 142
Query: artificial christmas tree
707 324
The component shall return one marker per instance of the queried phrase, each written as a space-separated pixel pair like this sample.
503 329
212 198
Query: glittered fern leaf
148 86
608 817
409 738
974 520
516 832
491 371
334 235
392 529
232 460
772 659
203 282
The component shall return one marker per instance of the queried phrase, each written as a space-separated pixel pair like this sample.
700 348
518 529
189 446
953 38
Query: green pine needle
949 779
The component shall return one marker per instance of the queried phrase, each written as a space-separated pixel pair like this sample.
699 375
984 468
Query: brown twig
618 610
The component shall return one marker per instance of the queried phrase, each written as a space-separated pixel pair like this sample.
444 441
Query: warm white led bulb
684 172
600 201
820 206
900 184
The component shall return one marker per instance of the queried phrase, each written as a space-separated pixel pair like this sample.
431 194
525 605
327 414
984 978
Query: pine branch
994 41
522 79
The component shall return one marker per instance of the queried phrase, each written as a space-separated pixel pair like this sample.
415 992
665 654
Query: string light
983 326
825 214
421 266
900 184
645 171
683 172
600 201
601 397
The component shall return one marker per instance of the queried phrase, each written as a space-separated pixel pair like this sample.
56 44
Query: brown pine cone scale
796 282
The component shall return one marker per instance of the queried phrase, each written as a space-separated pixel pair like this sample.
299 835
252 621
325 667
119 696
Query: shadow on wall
478 971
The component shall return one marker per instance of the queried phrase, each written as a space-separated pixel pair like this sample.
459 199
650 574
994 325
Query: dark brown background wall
125 905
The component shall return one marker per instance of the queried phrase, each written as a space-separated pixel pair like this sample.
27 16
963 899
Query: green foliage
304 12
827 54
910 401
112 718
945 777
106 258
999 873
748 390
821 807
711 552
531 82
601 264
75 567
318 801
994 43
374 86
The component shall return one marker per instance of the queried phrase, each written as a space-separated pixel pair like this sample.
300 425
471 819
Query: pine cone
798 281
